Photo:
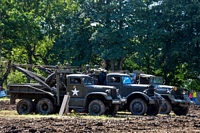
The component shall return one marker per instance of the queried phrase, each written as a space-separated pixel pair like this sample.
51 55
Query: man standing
194 97
191 96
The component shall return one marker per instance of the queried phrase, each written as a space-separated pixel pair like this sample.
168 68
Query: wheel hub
137 107
95 108
164 107
44 107
24 107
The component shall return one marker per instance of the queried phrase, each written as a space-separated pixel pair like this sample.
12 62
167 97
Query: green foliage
158 37
16 77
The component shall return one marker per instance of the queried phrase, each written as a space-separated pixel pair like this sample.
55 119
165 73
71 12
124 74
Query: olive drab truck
46 95
176 98
141 99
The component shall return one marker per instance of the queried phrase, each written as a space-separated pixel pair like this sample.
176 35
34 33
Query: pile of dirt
5 105
121 123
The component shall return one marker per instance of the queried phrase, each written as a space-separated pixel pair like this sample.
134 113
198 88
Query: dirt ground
122 123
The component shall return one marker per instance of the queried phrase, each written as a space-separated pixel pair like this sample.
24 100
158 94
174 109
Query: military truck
46 95
176 98
141 99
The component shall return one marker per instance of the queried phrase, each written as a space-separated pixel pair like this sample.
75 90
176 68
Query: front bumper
182 102
119 101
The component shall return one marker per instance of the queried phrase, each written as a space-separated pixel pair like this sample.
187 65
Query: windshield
156 80
87 81
126 80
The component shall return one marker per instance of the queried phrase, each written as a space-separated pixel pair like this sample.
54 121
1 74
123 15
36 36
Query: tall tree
178 24
112 31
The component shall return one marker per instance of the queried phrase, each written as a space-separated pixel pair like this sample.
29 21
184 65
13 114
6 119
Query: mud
122 123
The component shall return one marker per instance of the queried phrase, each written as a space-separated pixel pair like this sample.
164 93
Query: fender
159 96
105 95
139 93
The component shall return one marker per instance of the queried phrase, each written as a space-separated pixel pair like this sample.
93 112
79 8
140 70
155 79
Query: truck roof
120 74
148 75
77 75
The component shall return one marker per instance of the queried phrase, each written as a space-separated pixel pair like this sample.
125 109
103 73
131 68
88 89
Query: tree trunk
5 75
107 64
112 65
30 60
120 63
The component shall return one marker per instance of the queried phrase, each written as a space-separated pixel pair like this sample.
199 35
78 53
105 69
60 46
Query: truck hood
138 85
163 86
102 87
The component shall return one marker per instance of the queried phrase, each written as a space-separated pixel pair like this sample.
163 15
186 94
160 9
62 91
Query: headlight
117 91
145 91
175 88
169 90
108 91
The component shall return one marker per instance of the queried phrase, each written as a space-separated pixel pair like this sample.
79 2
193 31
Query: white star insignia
75 92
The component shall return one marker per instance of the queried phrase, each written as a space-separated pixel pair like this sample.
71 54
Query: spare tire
51 79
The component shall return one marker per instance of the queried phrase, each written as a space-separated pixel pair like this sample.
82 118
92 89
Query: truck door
115 80
76 91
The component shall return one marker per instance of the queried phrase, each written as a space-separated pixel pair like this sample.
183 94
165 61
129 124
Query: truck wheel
44 106
181 110
166 107
153 109
24 106
96 107
112 110
138 107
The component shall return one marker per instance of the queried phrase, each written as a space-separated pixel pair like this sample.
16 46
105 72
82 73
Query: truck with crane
45 96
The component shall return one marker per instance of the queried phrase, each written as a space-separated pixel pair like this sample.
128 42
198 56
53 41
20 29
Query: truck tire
24 106
44 106
166 107
153 110
181 110
138 107
112 111
96 107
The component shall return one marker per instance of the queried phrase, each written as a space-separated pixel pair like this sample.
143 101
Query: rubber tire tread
100 104
24 102
169 108
46 101
142 102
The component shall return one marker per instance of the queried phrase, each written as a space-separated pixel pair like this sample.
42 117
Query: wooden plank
64 105
67 106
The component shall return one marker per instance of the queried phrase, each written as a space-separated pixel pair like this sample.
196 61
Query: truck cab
141 99
83 91
176 98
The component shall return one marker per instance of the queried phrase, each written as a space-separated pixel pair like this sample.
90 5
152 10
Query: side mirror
163 81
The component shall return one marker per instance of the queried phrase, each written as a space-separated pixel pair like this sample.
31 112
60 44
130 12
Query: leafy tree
112 30
178 25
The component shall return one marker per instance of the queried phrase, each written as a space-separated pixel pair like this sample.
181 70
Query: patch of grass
5 98
12 114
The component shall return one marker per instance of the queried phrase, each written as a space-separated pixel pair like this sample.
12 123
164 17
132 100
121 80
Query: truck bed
27 88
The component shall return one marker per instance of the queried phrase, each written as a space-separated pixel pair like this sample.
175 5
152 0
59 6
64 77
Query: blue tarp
2 94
